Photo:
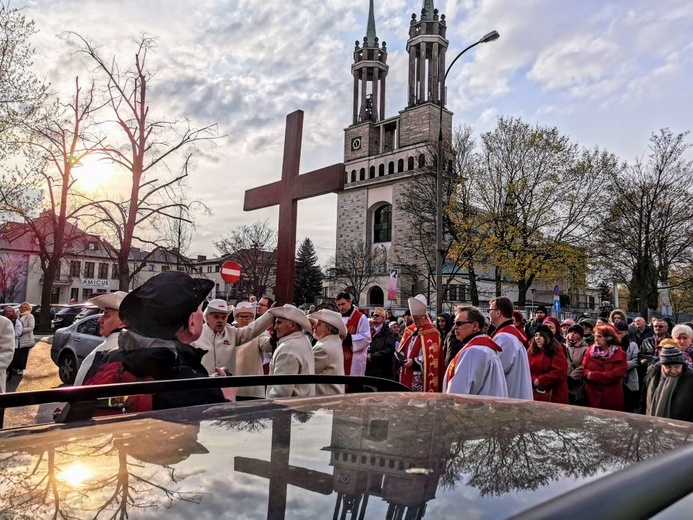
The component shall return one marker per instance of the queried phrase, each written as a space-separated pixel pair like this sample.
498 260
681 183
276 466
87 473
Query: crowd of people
168 329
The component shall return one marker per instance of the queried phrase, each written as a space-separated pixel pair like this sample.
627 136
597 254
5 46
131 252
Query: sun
75 475
96 174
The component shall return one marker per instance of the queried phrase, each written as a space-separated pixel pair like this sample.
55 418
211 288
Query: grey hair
682 328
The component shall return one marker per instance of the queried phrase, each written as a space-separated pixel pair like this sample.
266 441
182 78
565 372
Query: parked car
88 310
66 316
72 344
54 308
385 455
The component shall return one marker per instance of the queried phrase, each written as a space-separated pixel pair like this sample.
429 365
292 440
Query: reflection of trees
125 472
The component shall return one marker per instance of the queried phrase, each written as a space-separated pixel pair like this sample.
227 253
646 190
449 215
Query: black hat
541 308
621 326
670 356
577 328
543 329
161 305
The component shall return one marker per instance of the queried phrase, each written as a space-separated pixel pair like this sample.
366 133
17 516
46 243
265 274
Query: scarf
688 356
596 353
659 398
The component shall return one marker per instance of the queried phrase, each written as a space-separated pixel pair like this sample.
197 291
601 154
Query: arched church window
362 174
410 163
382 224
422 161
390 167
381 170
400 166
371 172
353 175
376 297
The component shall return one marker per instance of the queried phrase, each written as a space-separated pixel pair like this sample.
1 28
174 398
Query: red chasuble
476 341
512 329
428 337
352 326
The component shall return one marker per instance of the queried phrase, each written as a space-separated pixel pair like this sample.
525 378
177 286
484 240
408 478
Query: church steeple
426 47
369 71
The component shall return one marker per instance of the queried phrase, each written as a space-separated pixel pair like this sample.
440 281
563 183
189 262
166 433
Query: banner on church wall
392 287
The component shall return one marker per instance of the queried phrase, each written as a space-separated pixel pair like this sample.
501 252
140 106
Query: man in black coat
668 389
380 361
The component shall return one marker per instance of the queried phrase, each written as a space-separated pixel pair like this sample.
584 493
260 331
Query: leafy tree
357 265
150 150
254 247
648 227
308 277
541 197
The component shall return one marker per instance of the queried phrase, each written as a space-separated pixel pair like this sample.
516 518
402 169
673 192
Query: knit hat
567 323
587 321
577 328
621 326
541 308
553 320
670 356
543 329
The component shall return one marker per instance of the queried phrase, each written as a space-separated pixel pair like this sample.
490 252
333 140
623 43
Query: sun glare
94 174
75 474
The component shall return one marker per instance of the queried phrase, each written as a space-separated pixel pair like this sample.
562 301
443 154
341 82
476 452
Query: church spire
427 10
370 39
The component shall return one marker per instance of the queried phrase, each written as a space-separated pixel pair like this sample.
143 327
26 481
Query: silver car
72 344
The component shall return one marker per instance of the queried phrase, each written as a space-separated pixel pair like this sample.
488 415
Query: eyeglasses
244 317
460 323
377 315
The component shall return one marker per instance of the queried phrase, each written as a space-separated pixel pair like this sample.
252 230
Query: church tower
383 155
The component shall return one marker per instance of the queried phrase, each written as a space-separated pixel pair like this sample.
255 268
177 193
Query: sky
606 73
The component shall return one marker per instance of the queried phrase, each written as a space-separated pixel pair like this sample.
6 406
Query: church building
382 155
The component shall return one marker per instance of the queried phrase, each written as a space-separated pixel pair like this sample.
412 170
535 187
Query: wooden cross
287 192
279 472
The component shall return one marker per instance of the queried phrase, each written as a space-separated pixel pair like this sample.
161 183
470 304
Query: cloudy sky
606 73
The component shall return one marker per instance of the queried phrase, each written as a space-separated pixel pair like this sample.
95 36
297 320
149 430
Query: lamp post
493 35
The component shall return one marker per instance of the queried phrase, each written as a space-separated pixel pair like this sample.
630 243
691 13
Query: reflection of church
396 458
383 155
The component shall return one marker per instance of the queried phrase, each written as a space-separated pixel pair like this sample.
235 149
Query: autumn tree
542 197
648 227
357 265
154 150
254 247
308 277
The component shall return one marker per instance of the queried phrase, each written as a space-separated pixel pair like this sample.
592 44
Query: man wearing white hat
220 339
110 326
293 354
419 352
250 355
329 330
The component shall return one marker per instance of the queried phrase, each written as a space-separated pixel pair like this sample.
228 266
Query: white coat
329 360
478 371
515 366
249 360
293 355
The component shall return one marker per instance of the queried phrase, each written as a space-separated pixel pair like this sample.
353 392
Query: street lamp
493 35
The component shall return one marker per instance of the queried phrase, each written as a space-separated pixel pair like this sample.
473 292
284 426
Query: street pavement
40 374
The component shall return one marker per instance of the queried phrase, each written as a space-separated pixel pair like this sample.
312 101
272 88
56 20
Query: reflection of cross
287 192
279 472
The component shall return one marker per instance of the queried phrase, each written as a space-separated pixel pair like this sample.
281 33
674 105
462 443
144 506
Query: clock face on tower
356 143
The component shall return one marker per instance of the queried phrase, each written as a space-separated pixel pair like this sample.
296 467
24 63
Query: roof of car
432 454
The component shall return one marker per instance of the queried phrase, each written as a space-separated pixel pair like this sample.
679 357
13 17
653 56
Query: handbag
580 397
26 341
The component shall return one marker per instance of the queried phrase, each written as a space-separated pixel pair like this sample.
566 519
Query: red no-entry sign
230 272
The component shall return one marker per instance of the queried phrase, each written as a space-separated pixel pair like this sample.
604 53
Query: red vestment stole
433 367
476 341
512 329
352 326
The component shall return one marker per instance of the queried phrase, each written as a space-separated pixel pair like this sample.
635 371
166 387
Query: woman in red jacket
548 366
603 368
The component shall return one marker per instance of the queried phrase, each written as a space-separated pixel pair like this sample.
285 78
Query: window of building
422 161
74 294
217 268
103 271
114 272
463 293
400 166
165 268
353 175
391 167
92 246
452 293
371 172
362 174
89 269
410 163
382 224
86 293
75 267
381 170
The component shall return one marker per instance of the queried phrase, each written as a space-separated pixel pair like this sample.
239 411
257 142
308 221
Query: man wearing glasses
477 368
649 350
514 344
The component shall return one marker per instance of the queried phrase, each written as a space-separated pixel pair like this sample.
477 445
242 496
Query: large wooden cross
287 192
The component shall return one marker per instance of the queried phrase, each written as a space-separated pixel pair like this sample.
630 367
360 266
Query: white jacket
329 360
249 360
293 355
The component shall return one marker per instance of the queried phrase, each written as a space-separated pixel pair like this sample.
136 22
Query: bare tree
650 220
254 247
13 273
150 151
357 265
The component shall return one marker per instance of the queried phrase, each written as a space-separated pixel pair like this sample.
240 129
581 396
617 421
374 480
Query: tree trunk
47 289
473 287
522 287
499 281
